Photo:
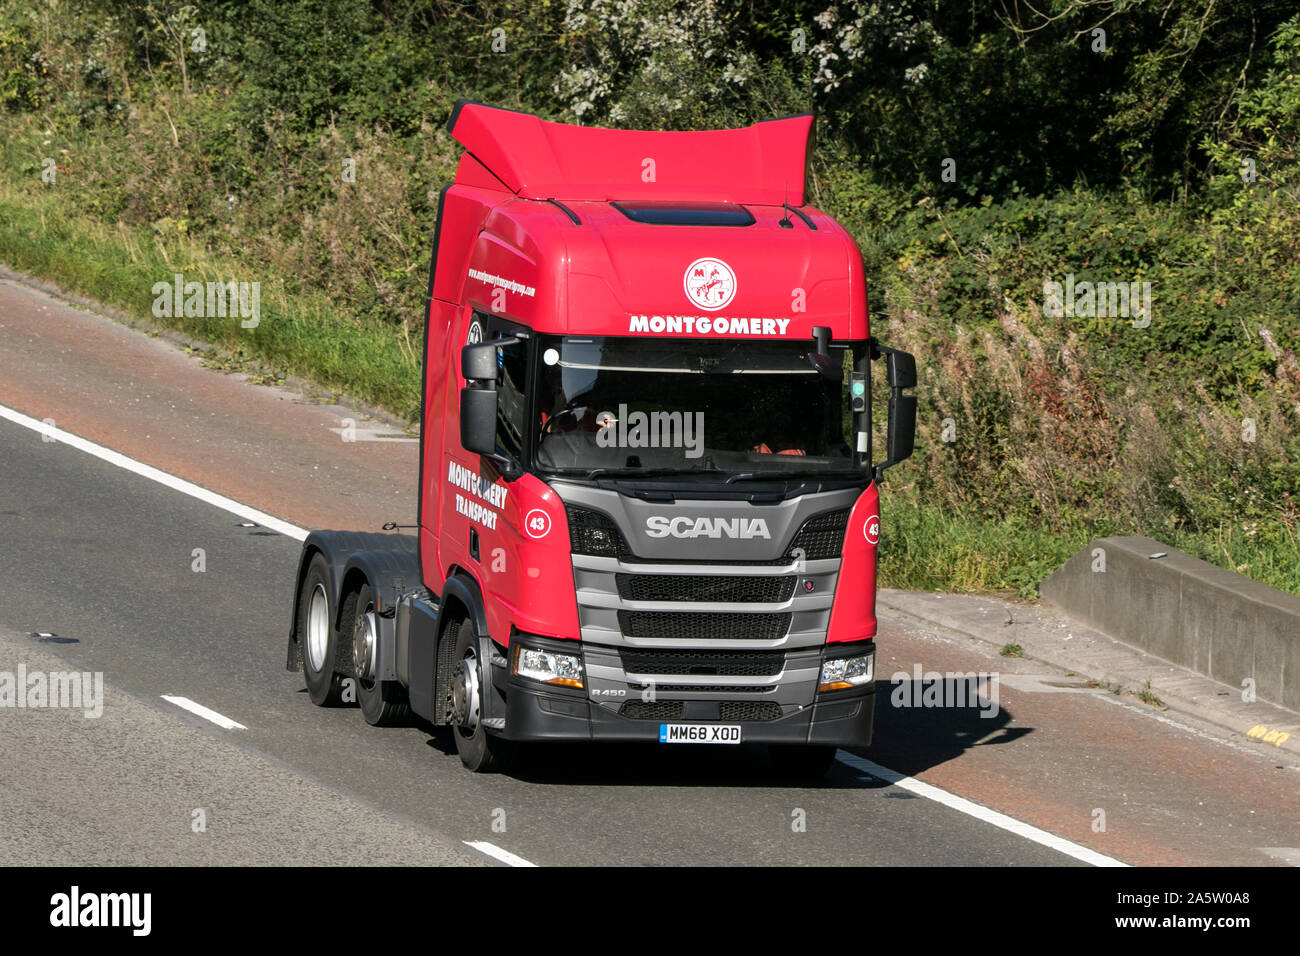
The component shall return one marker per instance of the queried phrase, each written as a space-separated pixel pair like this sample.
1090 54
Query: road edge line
184 703
505 856
237 508
980 812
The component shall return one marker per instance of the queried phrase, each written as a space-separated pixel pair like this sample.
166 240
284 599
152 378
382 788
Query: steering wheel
572 410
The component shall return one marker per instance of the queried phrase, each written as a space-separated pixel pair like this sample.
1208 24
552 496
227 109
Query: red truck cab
648 505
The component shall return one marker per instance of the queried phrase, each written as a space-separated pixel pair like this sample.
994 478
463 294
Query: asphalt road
93 554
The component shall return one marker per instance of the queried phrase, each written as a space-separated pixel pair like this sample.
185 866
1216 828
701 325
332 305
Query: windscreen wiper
649 472
792 475
730 476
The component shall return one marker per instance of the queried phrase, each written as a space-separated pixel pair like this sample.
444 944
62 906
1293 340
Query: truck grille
710 663
678 625
652 709
749 710
822 536
711 688
723 589
594 533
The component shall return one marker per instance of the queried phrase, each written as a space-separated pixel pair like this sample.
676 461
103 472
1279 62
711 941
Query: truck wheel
479 751
317 640
383 702
801 762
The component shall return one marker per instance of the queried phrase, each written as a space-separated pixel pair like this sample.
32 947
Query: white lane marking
505 856
962 805
225 723
154 474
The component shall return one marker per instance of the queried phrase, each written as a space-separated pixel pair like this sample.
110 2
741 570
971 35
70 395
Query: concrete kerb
1186 611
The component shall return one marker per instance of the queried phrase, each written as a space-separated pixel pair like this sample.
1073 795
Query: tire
384 703
479 751
317 639
800 761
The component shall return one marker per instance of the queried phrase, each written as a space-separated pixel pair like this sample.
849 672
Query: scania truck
648 503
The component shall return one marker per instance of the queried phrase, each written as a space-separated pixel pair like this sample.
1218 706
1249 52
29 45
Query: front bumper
539 713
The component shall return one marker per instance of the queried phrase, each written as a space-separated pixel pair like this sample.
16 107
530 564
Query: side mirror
901 368
902 427
478 399
478 403
478 362
478 420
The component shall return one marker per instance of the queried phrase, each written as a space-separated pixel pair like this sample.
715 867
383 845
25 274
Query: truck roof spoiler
763 164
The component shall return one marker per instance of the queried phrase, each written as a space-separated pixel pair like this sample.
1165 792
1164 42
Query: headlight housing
548 667
843 673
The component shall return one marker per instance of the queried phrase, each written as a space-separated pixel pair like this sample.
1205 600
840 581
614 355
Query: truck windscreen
634 405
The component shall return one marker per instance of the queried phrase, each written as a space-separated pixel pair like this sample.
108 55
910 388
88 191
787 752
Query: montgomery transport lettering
706 325
487 491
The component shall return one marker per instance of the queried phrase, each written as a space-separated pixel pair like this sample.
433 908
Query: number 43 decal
537 523
872 529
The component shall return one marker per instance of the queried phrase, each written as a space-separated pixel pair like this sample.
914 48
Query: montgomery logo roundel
710 284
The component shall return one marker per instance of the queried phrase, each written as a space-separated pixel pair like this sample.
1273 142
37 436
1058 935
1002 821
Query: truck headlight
841 673
548 667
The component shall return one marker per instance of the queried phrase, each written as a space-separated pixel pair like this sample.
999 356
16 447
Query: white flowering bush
856 31
653 64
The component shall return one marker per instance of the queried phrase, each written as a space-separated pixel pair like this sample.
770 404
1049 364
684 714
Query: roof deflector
763 164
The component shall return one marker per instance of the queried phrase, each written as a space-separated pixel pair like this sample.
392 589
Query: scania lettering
648 505
658 526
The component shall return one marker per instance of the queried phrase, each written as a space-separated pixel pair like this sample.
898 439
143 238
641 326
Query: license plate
699 733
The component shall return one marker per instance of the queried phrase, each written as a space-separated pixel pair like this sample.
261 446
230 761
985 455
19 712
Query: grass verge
300 334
